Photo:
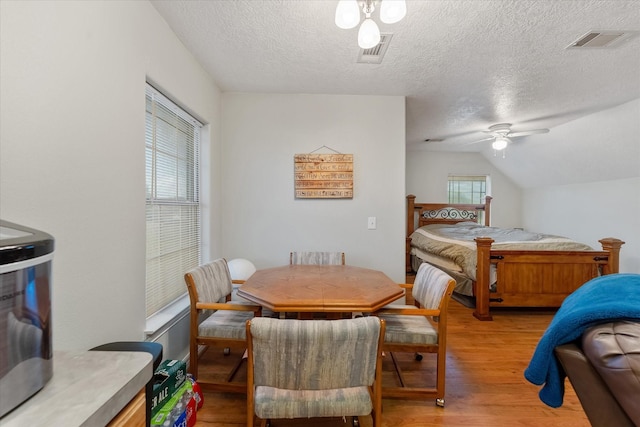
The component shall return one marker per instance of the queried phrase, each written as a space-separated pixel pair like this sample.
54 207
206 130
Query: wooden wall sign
323 176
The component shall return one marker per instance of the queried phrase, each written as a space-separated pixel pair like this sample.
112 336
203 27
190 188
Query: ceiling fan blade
527 132
481 140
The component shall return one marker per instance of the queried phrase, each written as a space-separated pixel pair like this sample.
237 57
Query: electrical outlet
371 223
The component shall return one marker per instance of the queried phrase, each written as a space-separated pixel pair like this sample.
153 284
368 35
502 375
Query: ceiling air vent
375 54
602 39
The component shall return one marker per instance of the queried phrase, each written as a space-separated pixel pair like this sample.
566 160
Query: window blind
172 139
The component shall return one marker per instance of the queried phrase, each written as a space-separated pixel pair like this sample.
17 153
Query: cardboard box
168 378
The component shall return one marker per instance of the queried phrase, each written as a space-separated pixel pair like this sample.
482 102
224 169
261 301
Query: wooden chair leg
193 360
398 370
236 367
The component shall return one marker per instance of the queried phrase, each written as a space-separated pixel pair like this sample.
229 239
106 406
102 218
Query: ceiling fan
501 135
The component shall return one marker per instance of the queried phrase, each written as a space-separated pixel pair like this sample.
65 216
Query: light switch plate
371 223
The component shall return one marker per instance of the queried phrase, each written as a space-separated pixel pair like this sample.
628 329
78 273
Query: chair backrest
209 282
316 258
430 285
314 354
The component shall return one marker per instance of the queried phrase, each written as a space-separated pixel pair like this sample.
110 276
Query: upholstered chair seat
275 403
410 329
223 324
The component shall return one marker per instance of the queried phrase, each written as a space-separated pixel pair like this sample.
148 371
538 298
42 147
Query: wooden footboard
537 278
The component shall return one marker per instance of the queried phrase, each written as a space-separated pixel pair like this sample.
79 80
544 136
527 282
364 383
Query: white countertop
88 388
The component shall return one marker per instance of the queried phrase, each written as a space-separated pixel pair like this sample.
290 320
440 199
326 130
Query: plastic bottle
197 391
177 410
186 397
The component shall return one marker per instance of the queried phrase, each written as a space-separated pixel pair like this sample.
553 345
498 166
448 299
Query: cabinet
133 415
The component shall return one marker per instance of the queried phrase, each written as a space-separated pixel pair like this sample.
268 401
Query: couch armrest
598 403
613 348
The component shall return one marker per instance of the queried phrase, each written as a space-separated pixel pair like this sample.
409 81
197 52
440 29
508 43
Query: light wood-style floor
485 382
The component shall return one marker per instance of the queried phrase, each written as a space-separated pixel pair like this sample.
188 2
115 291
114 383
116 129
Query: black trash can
153 348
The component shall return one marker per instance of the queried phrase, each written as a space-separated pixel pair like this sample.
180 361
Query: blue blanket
605 298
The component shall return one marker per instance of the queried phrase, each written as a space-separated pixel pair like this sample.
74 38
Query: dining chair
316 258
420 328
314 369
210 289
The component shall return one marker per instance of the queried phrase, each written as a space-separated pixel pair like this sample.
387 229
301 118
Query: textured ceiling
462 65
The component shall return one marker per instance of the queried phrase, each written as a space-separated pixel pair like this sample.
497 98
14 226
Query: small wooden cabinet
132 415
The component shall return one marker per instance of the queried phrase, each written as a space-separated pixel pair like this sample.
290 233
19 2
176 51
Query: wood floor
485 381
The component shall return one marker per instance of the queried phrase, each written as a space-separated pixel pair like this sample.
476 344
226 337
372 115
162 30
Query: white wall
264 222
427 173
590 212
595 207
72 82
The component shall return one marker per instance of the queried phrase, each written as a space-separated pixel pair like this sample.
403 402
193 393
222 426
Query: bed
501 267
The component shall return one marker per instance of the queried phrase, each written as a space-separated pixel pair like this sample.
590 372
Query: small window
172 141
468 189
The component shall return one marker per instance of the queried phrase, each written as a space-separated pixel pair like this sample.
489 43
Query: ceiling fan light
347 14
392 11
500 143
369 34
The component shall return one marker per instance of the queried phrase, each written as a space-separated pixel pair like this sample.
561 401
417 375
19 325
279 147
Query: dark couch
604 369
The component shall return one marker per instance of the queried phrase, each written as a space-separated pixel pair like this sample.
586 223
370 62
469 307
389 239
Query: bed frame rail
538 278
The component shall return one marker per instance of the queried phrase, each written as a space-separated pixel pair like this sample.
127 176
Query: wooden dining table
331 289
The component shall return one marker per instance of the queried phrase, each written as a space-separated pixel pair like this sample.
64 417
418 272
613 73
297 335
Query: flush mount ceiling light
348 16
500 143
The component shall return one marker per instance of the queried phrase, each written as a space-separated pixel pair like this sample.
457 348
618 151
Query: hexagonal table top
320 288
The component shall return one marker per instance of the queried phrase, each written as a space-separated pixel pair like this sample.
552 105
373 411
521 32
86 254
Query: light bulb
392 11
369 34
500 143
347 14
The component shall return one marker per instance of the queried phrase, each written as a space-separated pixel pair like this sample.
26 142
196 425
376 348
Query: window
468 189
172 139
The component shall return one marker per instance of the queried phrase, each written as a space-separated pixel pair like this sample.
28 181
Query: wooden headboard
419 214
444 213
